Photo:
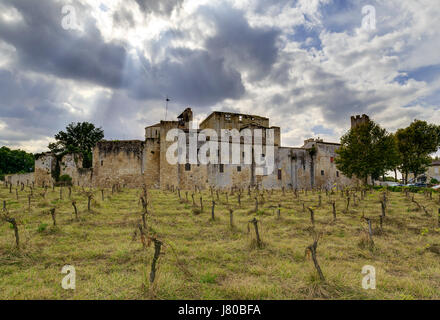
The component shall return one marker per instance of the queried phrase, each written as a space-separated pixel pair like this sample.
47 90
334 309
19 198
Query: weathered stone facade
18 179
134 163
44 166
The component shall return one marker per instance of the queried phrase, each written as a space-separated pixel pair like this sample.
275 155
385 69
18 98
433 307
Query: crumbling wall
118 162
70 165
19 178
44 166
84 177
226 120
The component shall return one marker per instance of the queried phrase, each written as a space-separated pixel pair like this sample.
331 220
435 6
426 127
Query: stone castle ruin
134 163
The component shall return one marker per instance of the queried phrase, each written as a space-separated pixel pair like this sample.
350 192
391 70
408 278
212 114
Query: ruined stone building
133 163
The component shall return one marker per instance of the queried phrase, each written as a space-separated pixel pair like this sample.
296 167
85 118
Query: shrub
208 278
65 179
412 189
42 227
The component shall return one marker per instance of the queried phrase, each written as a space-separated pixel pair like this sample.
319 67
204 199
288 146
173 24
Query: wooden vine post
212 211
231 218
438 217
254 221
52 213
157 248
370 231
312 216
334 210
75 209
313 249
15 227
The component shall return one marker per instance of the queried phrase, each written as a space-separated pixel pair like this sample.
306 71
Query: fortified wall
134 163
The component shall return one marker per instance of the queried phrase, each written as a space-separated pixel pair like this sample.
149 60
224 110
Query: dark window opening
221 168
102 163
279 174
337 173
239 169
322 172
187 167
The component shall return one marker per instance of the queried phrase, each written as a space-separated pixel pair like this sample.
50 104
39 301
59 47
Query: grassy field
205 259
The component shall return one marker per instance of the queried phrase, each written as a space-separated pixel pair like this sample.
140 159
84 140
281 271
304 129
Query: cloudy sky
308 65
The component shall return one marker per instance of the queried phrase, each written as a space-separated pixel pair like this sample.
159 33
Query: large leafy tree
367 150
78 138
415 144
15 161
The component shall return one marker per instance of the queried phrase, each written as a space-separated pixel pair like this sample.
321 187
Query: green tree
367 150
79 138
15 161
415 144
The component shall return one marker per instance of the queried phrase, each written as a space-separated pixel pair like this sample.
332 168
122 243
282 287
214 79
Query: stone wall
151 162
44 166
71 164
225 120
196 176
134 163
169 173
84 177
118 162
19 178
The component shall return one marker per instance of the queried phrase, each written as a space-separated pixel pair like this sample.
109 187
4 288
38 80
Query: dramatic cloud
307 64
164 7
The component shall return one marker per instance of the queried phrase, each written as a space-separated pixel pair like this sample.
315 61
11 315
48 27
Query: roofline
153 125
117 141
233 113
332 143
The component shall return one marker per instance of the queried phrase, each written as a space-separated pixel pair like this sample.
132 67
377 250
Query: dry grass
205 259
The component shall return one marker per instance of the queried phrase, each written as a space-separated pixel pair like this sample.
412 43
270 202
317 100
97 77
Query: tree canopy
367 150
15 161
78 138
415 144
